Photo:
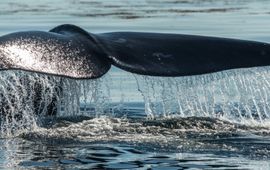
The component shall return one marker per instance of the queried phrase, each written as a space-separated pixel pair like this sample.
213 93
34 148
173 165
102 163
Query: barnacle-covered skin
71 54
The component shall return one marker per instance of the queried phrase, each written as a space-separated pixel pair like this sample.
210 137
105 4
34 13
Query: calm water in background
125 138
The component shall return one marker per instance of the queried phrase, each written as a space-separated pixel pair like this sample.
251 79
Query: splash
192 134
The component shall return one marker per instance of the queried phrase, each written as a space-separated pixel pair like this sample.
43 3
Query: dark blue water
126 121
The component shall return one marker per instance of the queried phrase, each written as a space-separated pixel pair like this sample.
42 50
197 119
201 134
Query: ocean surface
128 121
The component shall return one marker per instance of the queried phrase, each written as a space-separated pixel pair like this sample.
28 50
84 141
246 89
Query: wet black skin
157 54
182 55
152 54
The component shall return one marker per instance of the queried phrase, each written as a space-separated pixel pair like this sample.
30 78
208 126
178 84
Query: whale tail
70 51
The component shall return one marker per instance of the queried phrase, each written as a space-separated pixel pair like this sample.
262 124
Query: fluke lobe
70 53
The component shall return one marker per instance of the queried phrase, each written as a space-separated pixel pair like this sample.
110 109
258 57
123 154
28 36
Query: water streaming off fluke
26 98
240 95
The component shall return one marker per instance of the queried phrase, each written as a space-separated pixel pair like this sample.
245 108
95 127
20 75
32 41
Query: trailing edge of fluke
68 50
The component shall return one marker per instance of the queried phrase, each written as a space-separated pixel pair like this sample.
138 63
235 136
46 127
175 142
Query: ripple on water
79 158
193 134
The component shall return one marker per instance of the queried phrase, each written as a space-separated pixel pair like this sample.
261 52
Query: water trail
84 97
23 96
241 95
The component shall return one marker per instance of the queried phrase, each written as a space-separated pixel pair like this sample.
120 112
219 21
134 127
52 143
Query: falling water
241 95
25 98
84 97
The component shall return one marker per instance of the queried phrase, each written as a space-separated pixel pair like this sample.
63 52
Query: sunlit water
127 121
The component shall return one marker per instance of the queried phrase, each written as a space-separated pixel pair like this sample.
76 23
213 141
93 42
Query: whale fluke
64 53
70 51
